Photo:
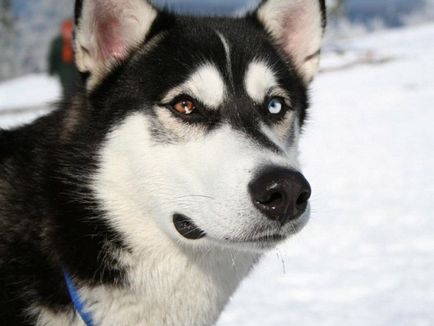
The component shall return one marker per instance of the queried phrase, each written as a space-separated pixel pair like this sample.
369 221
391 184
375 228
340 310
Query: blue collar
78 302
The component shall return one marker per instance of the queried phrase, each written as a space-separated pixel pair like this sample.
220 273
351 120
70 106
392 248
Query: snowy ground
367 256
24 98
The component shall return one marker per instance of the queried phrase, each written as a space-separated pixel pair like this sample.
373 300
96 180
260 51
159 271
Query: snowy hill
367 256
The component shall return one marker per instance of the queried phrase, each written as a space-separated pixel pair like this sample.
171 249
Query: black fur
49 219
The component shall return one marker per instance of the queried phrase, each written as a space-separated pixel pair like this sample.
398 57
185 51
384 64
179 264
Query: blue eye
275 105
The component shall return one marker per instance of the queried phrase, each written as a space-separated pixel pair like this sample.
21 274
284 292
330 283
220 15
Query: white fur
259 80
177 127
212 190
168 287
205 84
140 184
297 26
46 317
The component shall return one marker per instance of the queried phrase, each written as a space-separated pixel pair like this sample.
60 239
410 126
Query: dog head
204 117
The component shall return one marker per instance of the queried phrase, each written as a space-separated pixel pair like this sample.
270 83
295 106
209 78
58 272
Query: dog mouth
266 239
185 227
269 238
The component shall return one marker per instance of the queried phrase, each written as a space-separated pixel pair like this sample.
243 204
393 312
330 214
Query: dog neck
173 286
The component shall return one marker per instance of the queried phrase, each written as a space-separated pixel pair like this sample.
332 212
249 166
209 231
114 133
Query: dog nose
280 194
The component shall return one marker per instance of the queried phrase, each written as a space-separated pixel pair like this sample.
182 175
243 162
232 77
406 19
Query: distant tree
337 8
7 33
37 23
5 6
44 18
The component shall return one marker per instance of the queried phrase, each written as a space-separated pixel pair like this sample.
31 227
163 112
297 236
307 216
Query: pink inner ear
294 30
111 42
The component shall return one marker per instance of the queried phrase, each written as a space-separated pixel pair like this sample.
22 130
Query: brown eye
185 107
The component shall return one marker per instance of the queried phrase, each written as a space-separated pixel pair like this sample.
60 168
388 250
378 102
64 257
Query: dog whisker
195 196
281 260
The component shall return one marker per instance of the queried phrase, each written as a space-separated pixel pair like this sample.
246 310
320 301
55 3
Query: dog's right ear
107 31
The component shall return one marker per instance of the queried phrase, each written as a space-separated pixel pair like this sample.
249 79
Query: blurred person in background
61 60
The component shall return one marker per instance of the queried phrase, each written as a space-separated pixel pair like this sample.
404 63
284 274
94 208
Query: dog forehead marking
227 48
205 84
259 79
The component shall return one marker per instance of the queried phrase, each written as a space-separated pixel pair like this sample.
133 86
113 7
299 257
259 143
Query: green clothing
67 72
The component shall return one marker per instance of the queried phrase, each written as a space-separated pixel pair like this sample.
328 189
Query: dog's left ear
297 26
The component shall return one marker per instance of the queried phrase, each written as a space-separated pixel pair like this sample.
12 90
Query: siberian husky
149 198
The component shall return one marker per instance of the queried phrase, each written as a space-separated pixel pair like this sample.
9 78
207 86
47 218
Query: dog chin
269 241
251 243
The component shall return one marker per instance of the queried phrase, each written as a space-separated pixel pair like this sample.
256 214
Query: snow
28 91
25 98
367 256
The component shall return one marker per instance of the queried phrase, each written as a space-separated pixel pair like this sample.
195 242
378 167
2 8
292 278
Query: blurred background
367 256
